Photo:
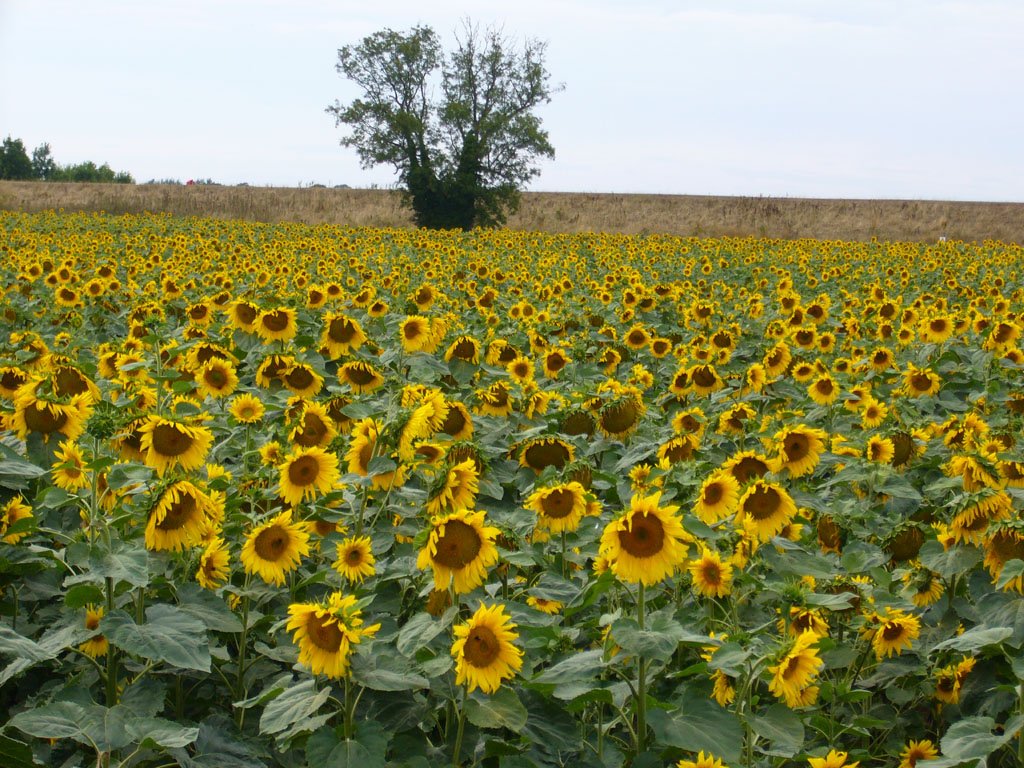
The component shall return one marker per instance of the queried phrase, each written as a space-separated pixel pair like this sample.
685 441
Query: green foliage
16 165
461 158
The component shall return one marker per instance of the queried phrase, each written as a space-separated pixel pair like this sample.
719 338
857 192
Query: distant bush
16 165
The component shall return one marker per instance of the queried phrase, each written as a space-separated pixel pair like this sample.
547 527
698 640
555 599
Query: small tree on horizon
461 158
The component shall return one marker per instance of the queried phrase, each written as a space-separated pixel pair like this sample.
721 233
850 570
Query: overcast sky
800 98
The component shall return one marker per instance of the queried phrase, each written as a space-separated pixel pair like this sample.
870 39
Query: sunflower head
484 650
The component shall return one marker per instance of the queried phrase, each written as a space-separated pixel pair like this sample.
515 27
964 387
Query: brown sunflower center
216 378
454 422
313 431
482 647
824 386
341 330
354 557
324 635
546 454
763 503
748 467
359 374
645 538
44 418
1005 546
12 379
711 572
178 514
704 376
921 382
892 631
713 493
458 545
619 418
299 377
272 543
464 350
304 470
245 313
413 331
559 503
276 320
555 362
796 446
171 440
67 381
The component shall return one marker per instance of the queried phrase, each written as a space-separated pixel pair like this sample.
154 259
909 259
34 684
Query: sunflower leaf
501 709
783 729
699 725
297 705
948 563
975 639
168 634
124 561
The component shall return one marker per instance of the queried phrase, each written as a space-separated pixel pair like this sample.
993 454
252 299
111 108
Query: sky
912 99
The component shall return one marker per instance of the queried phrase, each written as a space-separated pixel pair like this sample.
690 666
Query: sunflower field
280 495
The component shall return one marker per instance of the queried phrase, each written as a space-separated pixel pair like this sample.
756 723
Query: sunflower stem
111 651
459 731
1020 736
641 683
242 642
564 568
350 709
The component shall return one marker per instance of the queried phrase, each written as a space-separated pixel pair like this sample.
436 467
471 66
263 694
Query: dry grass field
913 220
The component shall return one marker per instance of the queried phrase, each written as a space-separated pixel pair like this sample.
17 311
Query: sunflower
895 630
718 497
796 670
1006 544
242 315
484 650
950 679
777 360
823 390
246 408
69 467
271 369
920 382
872 412
704 379
711 577
39 415
414 333
12 512
458 423
354 558
180 518
690 422
362 377
275 548
459 549
314 427
702 761
521 369
765 509
834 759
464 348
326 633
924 586
276 324
11 380
96 645
936 329
647 543
678 449
879 450
746 465
495 400
166 444
560 507
977 512
540 453
363 448
213 564
216 378
916 751
306 472
341 335
620 417
800 449
454 490
554 361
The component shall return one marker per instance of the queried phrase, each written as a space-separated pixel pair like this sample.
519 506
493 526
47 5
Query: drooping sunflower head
213 564
361 376
540 453
620 417
455 489
180 518
326 633
12 513
277 324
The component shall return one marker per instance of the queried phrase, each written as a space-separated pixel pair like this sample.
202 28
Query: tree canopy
462 153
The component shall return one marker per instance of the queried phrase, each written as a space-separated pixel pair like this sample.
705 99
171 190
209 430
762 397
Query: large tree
462 153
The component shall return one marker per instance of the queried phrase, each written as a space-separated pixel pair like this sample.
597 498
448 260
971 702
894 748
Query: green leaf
366 749
15 754
700 725
657 641
973 738
62 720
16 473
1013 569
783 729
155 731
28 652
385 673
729 658
106 727
208 608
975 639
859 556
420 630
169 635
82 595
296 705
949 563
125 561
501 709
579 667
